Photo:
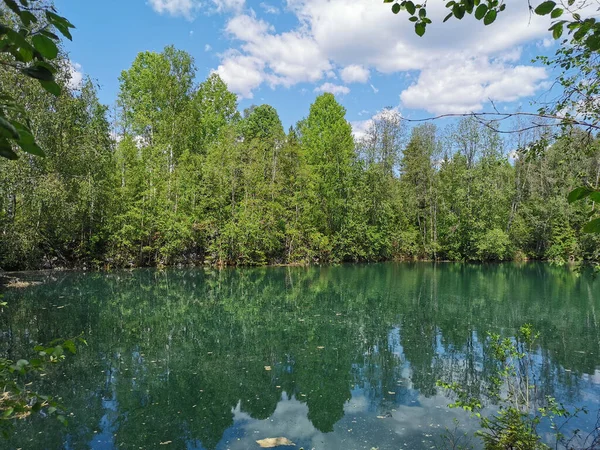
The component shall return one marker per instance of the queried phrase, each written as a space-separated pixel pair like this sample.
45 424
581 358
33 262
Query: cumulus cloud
182 8
269 9
460 87
285 59
76 75
229 5
242 73
333 88
360 127
354 73
363 37
189 8
207 48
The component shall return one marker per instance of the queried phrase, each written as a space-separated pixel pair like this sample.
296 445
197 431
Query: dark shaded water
337 357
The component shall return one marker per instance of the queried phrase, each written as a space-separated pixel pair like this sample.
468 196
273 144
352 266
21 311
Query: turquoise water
329 357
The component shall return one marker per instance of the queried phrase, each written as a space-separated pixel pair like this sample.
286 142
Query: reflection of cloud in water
408 427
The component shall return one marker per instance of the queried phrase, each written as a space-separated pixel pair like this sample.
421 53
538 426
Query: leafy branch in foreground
566 15
17 398
513 388
29 46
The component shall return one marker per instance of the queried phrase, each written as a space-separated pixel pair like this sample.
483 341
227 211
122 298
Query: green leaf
61 24
593 42
422 13
490 17
27 18
22 363
578 194
592 226
6 150
13 6
448 17
45 46
8 412
557 31
410 7
25 136
545 8
39 72
6 125
51 87
32 149
595 196
420 28
556 13
480 11
18 39
52 35
396 8
70 346
459 11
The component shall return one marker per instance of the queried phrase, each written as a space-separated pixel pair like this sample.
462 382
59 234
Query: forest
175 174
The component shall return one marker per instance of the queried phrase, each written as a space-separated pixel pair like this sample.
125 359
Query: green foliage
493 245
17 380
28 48
512 387
583 30
188 180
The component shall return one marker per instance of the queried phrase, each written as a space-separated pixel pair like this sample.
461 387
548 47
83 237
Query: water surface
330 357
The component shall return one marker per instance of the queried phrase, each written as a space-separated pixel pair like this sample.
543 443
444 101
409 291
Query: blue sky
286 53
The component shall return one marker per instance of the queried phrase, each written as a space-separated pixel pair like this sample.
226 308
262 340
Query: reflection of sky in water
410 420
180 358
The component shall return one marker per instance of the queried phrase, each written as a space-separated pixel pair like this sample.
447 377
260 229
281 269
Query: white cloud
365 36
460 87
360 127
242 73
333 88
354 73
207 48
284 59
269 9
229 5
183 8
189 8
76 75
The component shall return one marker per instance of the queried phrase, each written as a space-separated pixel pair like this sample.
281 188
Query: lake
341 357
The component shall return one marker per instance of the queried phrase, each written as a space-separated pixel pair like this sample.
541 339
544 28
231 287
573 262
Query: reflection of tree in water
187 347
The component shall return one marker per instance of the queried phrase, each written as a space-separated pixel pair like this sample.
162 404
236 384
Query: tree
328 146
28 48
576 59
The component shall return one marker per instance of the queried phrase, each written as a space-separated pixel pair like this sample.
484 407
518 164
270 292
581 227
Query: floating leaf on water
267 367
320 347
274 442
165 443
391 393
381 417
